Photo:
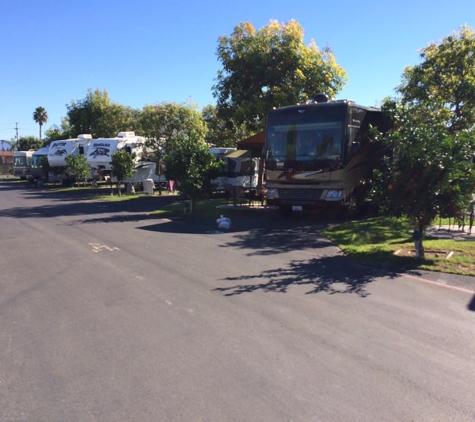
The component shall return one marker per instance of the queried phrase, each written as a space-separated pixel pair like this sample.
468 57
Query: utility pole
16 128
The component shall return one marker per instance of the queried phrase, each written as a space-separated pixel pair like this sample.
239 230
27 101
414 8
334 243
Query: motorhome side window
351 140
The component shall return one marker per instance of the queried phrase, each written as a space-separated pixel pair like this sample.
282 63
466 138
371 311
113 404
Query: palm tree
40 116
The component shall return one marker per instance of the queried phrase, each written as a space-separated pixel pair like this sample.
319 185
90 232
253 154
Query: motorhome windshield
19 161
312 134
36 160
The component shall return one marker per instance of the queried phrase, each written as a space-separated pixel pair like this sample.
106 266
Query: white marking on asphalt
97 247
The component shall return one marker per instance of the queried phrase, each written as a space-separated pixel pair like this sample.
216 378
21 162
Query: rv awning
254 142
240 153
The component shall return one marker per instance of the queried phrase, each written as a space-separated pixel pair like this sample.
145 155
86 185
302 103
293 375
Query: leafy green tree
192 166
54 133
163 122
78 167
97 115
25 143
222 132
40 116
123 166
444 82
117 118
271 67
428 169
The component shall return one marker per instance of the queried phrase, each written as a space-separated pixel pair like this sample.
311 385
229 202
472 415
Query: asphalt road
109 313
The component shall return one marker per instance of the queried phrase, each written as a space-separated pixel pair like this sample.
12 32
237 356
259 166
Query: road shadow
12 184
83 203
139 209
257 233
279 238
260 233
328 274
471 305
269 235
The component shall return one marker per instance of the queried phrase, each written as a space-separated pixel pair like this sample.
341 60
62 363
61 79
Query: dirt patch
428 253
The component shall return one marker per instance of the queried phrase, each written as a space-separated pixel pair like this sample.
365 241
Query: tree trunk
421 246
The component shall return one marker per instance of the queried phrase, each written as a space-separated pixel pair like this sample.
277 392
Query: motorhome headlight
334 194
270 194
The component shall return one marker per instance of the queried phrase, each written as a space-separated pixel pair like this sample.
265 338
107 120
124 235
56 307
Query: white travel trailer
99 153
58 150
240 169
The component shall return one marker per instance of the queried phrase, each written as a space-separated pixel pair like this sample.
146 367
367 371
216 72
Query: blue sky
149 51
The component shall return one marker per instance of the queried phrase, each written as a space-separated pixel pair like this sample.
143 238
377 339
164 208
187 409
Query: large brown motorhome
318 153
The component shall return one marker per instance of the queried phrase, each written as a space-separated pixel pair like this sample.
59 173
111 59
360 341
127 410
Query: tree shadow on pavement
260 234
330 274
270 241
471 305
93 211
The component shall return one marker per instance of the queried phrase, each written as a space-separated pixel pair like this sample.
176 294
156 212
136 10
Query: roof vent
320 98
125 134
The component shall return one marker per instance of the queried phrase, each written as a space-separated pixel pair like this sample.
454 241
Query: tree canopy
97 115
55 132
444 82
222 132
428 170
427 167
163 122
25 143
271 67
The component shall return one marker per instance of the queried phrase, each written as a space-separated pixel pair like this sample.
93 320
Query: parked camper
146 169
318 154
36 169
58 150
240 169
100 151
21 163
99 155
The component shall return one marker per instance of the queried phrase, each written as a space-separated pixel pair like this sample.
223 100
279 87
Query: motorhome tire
286 211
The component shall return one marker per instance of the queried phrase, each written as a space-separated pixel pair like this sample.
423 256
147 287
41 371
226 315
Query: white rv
146 168
240 169
22 163
36 169
100 151
99 155
58 150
